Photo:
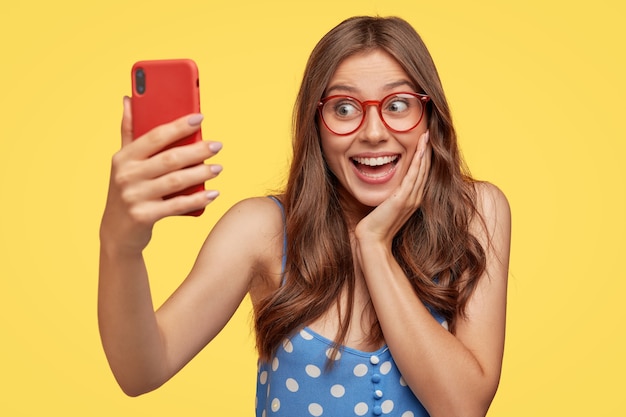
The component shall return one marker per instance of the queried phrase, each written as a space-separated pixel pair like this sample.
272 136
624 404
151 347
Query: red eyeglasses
400 112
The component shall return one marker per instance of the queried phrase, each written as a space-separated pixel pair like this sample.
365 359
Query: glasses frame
423 98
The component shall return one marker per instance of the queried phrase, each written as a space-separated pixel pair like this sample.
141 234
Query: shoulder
491 204
256 207
260 216
247 240
259 227
492 225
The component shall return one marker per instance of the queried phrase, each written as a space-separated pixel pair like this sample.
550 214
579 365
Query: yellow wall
537 89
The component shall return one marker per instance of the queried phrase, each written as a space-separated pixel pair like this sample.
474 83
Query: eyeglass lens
400 112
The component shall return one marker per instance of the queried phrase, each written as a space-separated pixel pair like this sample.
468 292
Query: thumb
127 123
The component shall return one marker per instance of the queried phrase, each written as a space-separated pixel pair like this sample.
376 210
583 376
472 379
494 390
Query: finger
133 175
425 138
423 172
171 183
423 148
189 203
420 183
127 123
178 157
166 134
414 168
415 178
151 211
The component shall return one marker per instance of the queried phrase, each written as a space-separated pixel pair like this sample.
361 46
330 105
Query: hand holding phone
163 91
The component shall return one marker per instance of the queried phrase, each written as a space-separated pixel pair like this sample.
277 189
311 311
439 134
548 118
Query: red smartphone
164 90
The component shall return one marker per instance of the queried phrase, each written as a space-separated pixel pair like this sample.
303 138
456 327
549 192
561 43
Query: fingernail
195 120
215 146
211 195
216 169
427 136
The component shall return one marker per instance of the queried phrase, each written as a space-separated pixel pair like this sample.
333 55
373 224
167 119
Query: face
372 161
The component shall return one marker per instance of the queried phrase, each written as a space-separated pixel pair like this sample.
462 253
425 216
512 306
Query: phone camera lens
140 81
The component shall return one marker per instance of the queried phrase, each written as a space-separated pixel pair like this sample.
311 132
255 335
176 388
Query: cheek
410 142
330 151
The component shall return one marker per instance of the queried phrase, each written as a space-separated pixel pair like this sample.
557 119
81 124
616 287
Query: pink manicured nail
195 120
215 146
216 169
211 195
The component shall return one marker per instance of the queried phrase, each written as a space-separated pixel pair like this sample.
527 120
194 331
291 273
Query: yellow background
537 89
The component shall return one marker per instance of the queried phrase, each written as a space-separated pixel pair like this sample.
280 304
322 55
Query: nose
373 129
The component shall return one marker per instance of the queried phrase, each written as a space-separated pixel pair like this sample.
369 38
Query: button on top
375 378
378 394
374 360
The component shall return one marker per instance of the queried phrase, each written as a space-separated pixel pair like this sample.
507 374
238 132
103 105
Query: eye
397 104
346 109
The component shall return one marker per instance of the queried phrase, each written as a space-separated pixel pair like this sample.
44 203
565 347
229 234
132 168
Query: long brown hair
435 248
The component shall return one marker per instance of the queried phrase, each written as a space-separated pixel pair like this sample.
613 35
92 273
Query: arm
450 374
145 348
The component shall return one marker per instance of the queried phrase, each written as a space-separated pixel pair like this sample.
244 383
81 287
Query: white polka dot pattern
297 381
361 409
360 370
315 409
385 367
387 406
329 354
292 385
337 390
288 346
306 335
313 371
275 404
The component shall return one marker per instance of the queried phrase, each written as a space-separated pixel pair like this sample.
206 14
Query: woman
378 279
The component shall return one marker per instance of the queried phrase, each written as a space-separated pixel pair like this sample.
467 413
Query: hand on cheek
382 224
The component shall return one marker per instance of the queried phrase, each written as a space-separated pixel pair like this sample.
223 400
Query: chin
370 197
373 199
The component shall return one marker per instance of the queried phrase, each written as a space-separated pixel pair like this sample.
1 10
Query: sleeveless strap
284 258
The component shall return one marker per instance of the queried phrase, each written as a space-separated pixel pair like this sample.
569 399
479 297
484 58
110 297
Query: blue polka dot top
297 383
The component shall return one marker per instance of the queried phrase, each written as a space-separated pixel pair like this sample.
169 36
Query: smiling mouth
376 167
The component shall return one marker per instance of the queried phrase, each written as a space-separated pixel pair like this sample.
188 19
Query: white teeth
374 162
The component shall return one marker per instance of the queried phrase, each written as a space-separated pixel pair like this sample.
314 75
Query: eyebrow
387 87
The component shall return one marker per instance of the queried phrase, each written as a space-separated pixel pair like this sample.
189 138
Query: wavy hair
435 248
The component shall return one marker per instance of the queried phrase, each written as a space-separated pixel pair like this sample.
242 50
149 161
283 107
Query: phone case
164 90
